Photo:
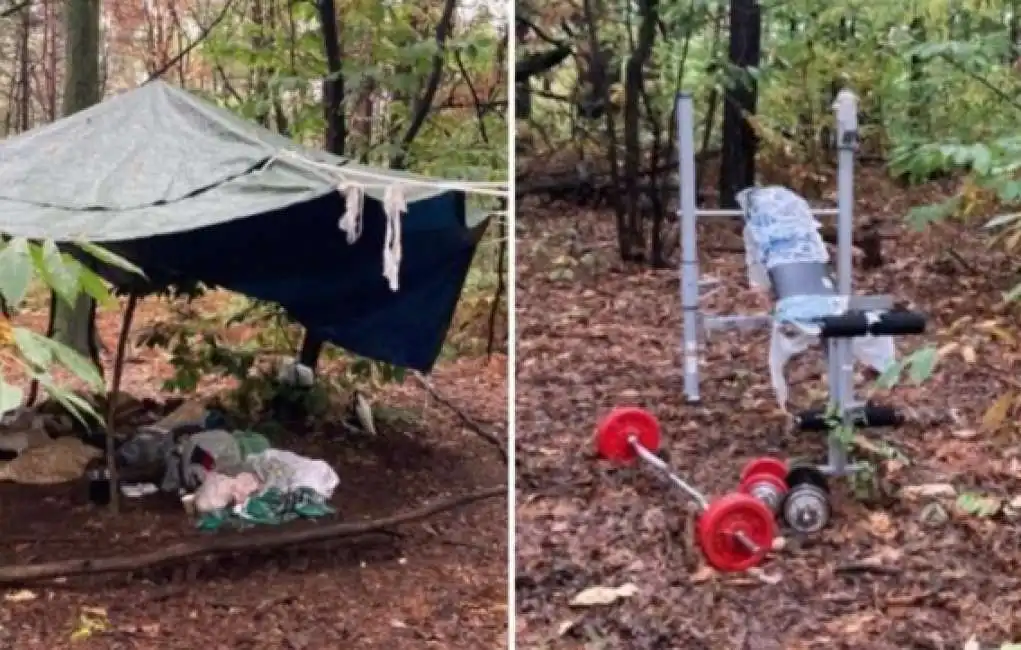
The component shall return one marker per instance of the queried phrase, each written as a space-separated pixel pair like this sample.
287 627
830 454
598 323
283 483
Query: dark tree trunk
336 133
633 249
598 76
916 109
333 84
737 163
25 91
1015 33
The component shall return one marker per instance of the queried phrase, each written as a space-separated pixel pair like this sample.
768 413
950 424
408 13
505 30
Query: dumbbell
766 480
806 507
734 531
799 494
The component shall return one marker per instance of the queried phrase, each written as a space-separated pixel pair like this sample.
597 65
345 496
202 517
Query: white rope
395 204
482 188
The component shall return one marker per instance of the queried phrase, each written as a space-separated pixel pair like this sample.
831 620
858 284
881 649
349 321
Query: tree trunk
917 109
1015 33
25 90
336 132
75 326
598 76
737 164
333 84
633 87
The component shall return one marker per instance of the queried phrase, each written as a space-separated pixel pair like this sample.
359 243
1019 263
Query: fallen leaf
947 349
704 573
965 434
997 413
978 505
1002 334
594 596
928 490
566 627
968 354
20 596
765 578
151 629
90 621
881 525
972 644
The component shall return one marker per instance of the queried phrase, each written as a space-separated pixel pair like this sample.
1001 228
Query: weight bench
786 254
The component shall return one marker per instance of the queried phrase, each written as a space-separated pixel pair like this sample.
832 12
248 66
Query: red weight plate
730 514
622 423
754 479
765 465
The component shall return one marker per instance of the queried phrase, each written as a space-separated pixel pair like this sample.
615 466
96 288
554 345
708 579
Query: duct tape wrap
780 230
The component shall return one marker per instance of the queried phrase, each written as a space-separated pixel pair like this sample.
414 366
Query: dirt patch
605 334
440 583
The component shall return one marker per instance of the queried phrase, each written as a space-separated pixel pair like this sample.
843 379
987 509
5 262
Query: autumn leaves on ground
927 558
438 583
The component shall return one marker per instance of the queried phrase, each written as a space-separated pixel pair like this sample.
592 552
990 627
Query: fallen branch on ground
20 574
468 422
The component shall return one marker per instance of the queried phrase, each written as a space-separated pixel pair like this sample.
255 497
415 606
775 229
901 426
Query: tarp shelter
190 192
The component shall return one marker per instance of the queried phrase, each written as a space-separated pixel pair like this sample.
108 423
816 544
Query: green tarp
191 192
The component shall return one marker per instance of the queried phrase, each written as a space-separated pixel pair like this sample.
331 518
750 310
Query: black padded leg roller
868 417
898 322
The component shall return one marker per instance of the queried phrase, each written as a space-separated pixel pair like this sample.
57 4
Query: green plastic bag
271 508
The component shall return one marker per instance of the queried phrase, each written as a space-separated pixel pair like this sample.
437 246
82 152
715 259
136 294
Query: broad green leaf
81 367
16 270
1013 294
108 257
94 286
10 396
55 272
33 347
75 404
923 362
982 159
978 505
891 376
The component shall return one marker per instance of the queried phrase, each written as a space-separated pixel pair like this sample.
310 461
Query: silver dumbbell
806 508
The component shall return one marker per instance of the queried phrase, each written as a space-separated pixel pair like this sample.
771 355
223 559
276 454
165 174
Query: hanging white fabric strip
354 203
352 183
394 207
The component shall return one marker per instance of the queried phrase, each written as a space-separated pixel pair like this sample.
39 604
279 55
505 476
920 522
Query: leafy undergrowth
927 559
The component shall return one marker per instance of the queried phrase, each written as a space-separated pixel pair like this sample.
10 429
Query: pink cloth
219 492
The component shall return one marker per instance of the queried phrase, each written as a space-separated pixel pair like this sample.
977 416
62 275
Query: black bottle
98 476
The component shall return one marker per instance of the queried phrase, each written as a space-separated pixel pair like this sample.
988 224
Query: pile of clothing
235 477
275 487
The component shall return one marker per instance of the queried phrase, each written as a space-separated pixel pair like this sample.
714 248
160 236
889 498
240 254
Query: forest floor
440 583
886 574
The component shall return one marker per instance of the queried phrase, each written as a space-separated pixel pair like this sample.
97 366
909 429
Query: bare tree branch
26 573
464 417
203 35
423 104
15 8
